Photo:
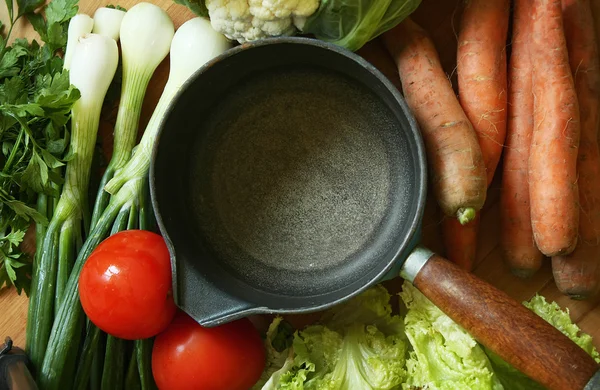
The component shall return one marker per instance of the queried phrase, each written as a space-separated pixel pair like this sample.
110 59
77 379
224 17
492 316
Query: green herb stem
13 152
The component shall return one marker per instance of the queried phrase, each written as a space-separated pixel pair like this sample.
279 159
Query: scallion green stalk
93 66
146 32
194 43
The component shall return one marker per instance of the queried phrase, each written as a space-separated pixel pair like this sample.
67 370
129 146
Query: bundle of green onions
56 320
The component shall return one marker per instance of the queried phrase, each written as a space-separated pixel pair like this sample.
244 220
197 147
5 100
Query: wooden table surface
439 17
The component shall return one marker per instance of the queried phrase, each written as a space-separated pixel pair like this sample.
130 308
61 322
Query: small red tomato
125 285
189 356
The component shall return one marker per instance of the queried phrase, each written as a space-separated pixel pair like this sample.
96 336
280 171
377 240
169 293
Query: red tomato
189 356
125 285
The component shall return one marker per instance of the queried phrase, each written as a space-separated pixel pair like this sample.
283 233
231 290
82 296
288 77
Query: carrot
456 164
578 274
519 250
481 70
553 188
460 241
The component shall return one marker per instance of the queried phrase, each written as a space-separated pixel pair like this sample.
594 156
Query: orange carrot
481 70
578 274
454 156
518 246
553 188
460 241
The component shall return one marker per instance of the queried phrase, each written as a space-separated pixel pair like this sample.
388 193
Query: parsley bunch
35 104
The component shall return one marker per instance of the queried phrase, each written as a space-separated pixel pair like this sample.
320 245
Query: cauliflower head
250 20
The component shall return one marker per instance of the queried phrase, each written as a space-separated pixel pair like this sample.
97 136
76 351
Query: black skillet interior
286 177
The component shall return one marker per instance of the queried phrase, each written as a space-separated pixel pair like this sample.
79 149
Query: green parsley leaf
28 6
9 7
39 24
35 103
36 174
59 11
15 238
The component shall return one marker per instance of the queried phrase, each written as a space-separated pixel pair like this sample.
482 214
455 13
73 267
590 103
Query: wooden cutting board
439 17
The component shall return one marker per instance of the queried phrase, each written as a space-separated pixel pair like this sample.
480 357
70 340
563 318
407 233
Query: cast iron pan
289 175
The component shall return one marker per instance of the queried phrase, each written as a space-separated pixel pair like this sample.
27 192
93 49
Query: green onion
194 43
146 32
93 66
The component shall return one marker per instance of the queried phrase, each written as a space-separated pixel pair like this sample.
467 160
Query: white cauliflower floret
249 20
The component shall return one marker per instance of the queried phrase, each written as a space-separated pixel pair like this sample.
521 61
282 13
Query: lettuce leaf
444 355
509 376
560 319
356 345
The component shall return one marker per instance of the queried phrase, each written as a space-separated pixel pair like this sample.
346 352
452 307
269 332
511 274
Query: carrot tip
466 215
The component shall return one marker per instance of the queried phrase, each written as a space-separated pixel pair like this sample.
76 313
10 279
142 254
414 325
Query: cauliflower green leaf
352 23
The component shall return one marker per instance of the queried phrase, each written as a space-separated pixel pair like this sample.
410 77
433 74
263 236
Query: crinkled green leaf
510 377
278 342
13 91
60 11
35 104
356 345
352 23
9 62
559 318
444 355
14 238
371 307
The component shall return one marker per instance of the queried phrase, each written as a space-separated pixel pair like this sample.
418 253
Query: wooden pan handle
506 327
